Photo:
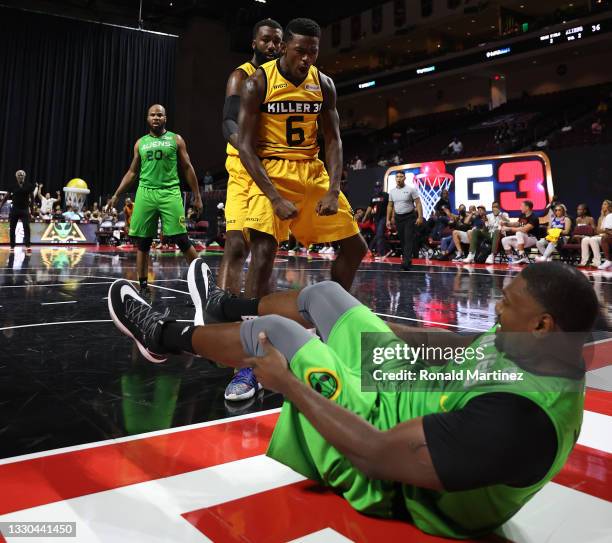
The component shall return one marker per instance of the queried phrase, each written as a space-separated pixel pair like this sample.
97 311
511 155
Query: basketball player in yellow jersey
267 38
280 107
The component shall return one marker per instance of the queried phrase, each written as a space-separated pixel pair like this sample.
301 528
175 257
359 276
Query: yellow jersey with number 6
249 69
288 124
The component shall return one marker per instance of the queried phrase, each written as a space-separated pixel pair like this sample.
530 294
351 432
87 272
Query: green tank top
475 512
158 161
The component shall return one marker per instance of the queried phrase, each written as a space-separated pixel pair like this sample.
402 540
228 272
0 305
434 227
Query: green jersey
158 161
475 512
338 367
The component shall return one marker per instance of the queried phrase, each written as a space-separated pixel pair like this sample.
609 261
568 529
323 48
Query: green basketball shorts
334 370
152 204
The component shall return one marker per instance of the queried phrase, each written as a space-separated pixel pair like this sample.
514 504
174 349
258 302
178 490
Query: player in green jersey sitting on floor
155 163
459 456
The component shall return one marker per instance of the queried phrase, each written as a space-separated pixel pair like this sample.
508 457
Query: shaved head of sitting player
457 457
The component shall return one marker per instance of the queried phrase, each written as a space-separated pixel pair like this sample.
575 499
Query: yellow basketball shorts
304 183
237 199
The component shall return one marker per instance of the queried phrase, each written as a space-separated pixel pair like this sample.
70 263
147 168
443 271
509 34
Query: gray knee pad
323 304
286 335
143 244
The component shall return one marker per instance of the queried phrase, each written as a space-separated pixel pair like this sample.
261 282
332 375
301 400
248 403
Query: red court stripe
48 479
598 354
598 401
76 473
292 511
588 470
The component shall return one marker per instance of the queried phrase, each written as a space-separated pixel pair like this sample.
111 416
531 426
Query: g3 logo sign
509 179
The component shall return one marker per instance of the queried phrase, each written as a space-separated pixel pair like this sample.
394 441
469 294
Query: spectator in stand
593 243
491 233
597 127
447 247
46 202
378 211
57 215
71 214
559 227
462 227
208 181
549 210
21 193
525 231
405 212
442 220
584 217
95 215
383 162
35 215
455 147
367 228
444 201
358 163
397 159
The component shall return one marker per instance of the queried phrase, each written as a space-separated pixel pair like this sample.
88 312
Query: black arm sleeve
231 108
497 438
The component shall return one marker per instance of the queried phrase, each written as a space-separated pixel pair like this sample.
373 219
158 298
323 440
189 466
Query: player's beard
262 58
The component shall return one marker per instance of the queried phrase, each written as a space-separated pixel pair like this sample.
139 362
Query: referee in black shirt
20 193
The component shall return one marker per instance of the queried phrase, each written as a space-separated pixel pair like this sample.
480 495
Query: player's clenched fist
284 209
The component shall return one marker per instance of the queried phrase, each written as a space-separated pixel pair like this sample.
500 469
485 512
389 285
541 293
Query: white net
430 188
75 197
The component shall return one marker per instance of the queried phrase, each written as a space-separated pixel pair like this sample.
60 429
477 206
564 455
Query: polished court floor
131 451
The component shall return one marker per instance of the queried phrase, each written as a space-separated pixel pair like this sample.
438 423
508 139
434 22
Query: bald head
156 119
157 107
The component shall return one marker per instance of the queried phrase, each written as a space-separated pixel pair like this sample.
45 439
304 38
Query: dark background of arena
73 93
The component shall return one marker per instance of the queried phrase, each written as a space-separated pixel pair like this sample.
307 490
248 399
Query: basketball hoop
430 188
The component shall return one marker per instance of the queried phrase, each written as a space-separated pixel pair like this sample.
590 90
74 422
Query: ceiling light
473 20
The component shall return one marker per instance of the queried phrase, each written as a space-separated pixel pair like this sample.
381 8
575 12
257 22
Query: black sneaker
136 319
206 295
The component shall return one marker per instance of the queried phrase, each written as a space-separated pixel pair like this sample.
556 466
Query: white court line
51 324
57 303
167 297
68 283
135 437
117 278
